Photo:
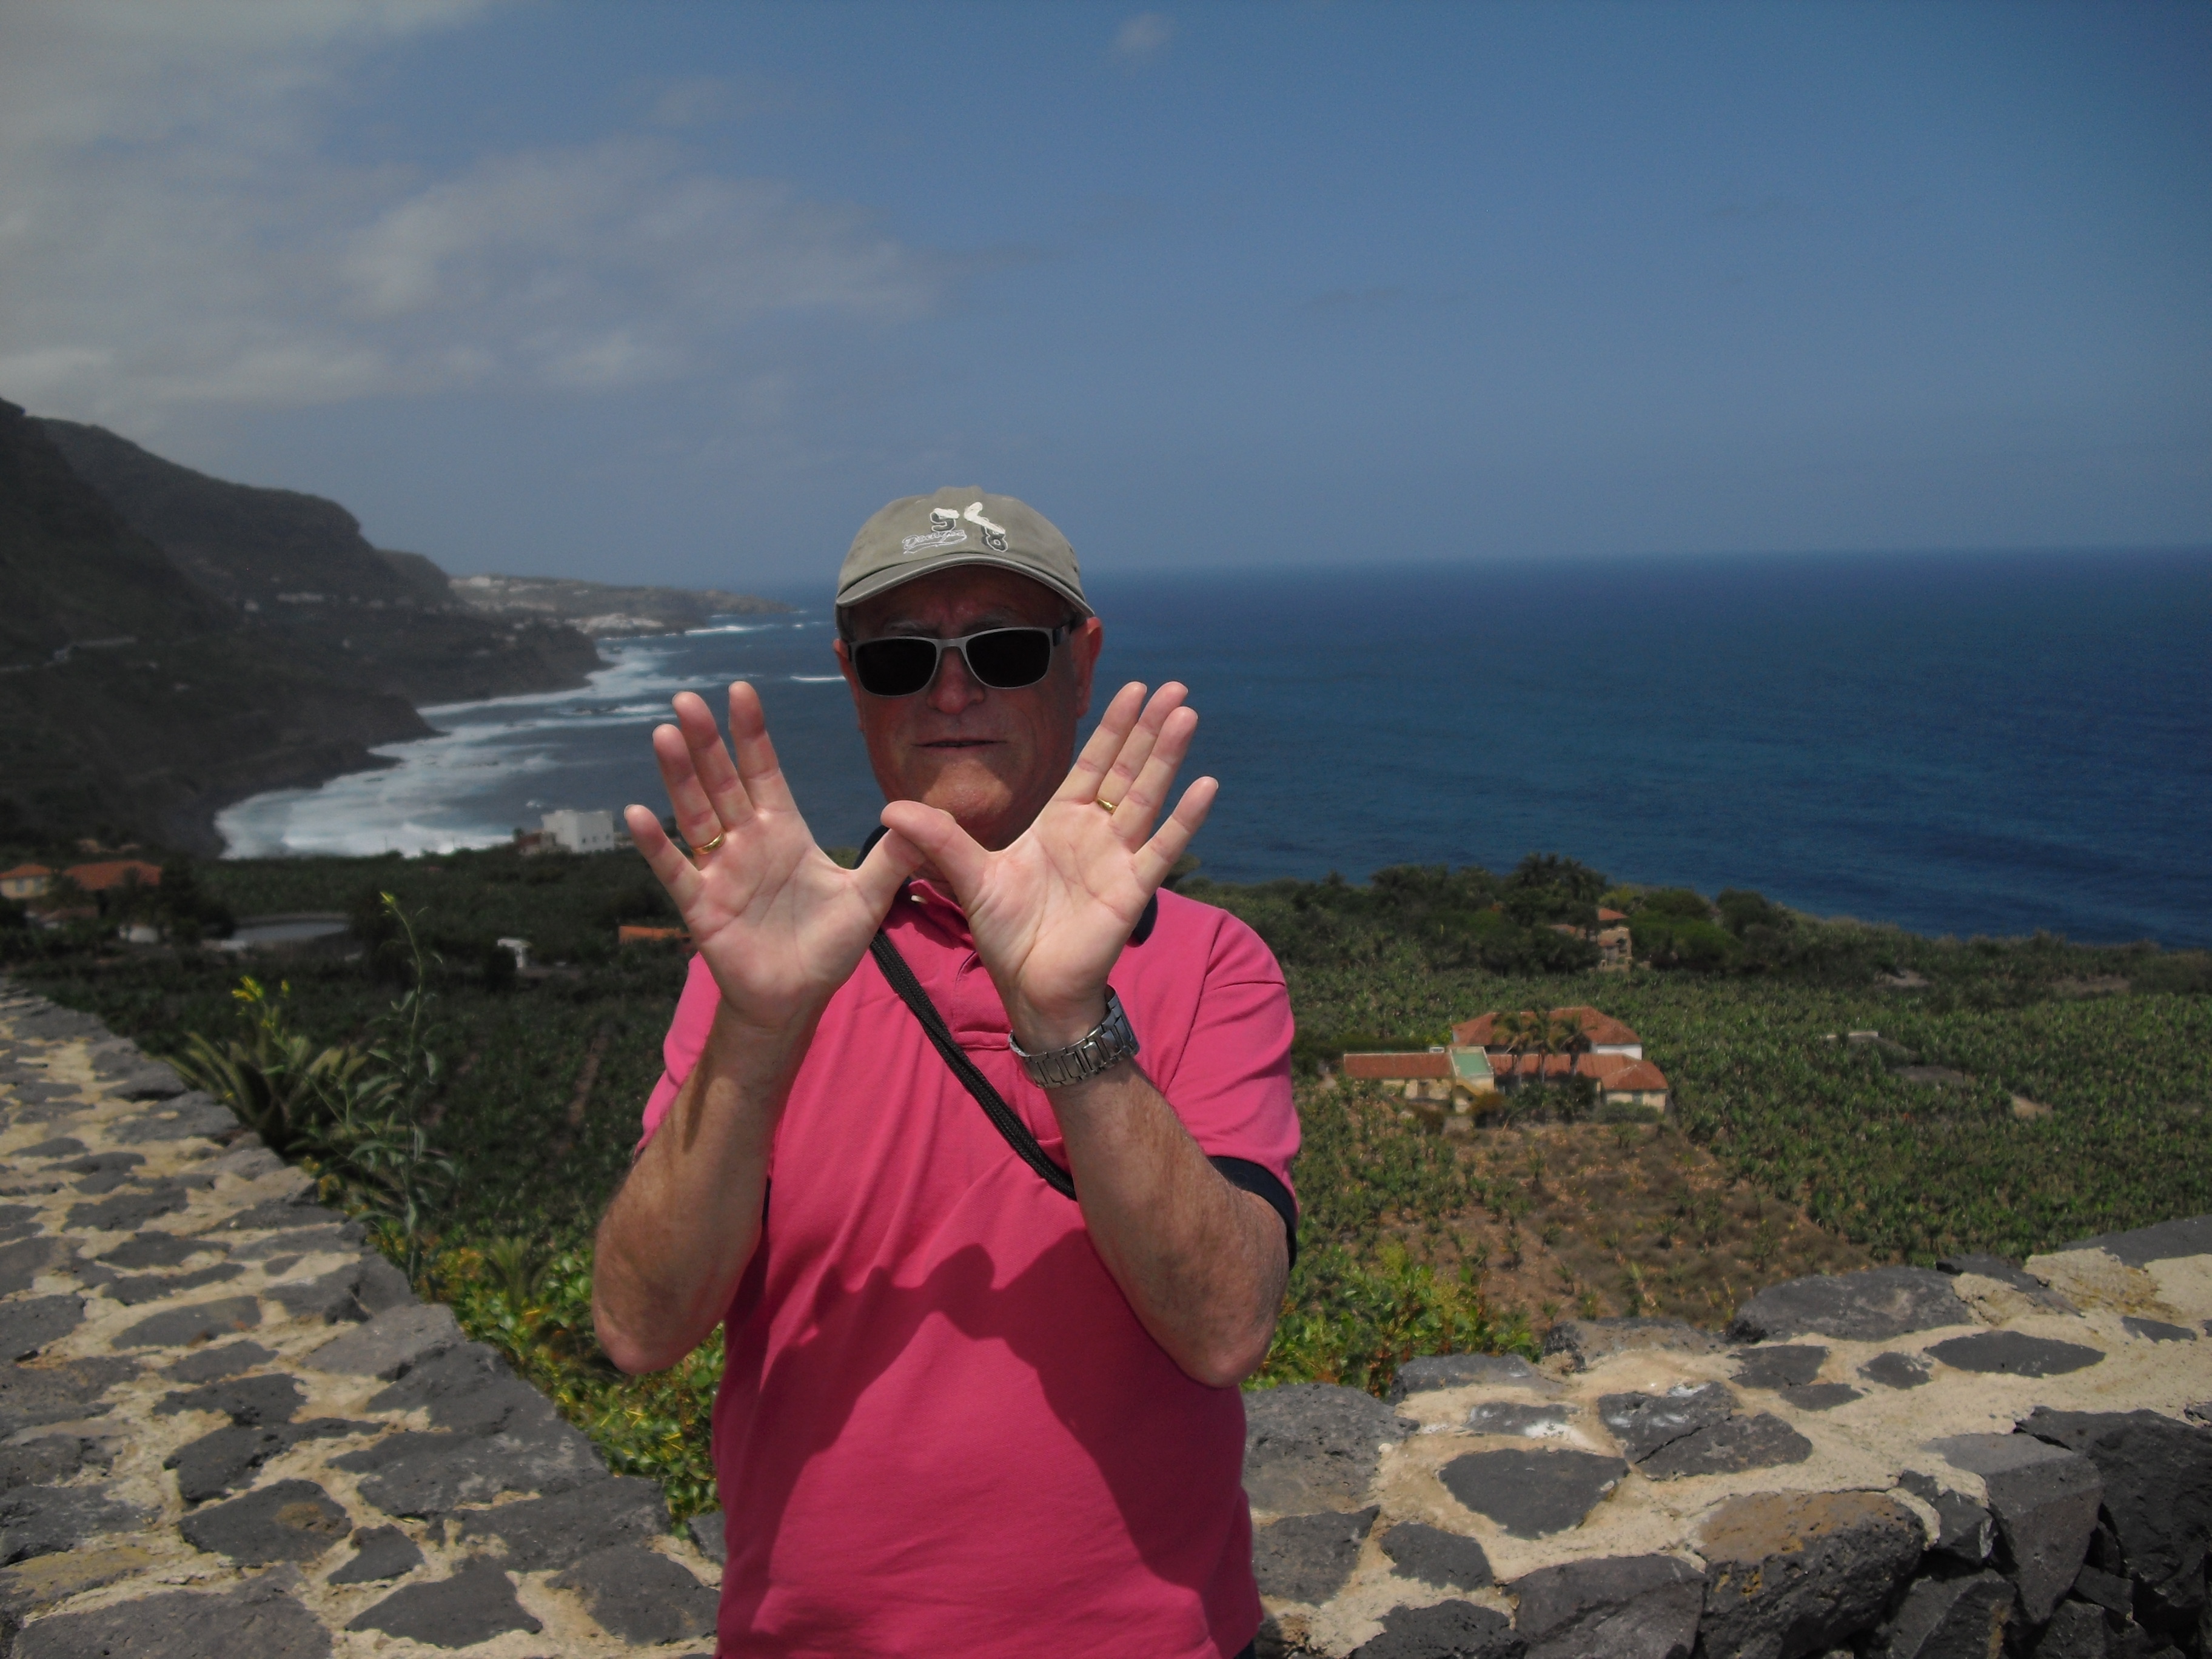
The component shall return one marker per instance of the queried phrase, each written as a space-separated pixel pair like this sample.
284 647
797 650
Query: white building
581 832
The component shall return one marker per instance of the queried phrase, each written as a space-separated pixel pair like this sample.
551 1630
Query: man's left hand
1051 913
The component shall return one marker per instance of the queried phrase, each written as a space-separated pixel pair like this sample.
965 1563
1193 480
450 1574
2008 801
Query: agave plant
278 1082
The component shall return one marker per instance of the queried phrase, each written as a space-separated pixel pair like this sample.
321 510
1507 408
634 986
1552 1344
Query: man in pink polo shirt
983 1335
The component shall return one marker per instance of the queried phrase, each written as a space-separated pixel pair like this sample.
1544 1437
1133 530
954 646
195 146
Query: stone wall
227 1430
1905 1462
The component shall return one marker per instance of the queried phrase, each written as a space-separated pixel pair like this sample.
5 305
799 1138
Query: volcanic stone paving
226 1430
1907 1463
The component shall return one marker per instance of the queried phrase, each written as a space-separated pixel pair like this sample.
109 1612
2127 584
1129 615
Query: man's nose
954 689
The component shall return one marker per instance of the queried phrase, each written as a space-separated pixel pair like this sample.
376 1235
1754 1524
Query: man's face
991 758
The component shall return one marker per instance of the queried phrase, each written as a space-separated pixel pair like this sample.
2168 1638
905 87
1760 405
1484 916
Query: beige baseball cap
917 534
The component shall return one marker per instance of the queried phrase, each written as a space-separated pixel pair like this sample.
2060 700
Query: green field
541 1080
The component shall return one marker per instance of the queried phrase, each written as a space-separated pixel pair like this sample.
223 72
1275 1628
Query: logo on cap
994 538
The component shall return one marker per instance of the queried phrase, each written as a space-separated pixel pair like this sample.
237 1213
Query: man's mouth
960 743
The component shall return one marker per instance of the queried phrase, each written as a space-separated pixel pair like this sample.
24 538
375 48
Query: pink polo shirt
941 1431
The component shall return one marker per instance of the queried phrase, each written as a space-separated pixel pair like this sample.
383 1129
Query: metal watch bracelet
1101 1049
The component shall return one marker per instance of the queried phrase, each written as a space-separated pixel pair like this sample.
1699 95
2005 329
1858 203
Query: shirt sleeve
685 1041
1231 1086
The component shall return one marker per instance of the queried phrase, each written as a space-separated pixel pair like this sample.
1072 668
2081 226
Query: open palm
781 926
1051 912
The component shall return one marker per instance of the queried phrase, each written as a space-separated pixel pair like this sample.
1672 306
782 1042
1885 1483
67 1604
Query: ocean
1960 744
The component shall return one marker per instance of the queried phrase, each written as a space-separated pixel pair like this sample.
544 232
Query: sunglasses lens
895 668
1008 658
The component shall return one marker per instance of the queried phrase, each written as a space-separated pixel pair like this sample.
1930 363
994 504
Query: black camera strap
1003 1117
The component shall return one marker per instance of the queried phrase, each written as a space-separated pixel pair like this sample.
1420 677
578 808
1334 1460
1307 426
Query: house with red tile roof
26 881
116 873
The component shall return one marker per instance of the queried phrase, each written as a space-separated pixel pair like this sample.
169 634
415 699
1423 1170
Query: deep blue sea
1960 744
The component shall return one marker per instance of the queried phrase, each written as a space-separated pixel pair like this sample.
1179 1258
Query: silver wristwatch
1101 1049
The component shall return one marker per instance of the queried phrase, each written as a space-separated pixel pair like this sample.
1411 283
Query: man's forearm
1202 1262
679 1235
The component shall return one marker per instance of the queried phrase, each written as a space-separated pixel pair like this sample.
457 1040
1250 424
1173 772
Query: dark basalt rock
1510 1417
203 1322
331 1299
636 1595
1821 1396
258 1619
1454 1370
191 1116
1964 1531
2077 1631
104 1171
2045 1499
43 1462
224 1461
130 1211
59 1147
380 1553
27 1326
30 1398
1897 1370
1872 1306
1311 1446
156 1287
23 1261
1436 1557
158 1250
281 1214
213 1364
1789 1574
1784 1366
1586 1341
706 1528
2109 1591
1530 1494
1741 1443
562 1530
2191 1236
476 1604
44 1519
1450 1630
1642 1423
393 1343
428 1474
148 1080
2158 1492
291 1520
2156 1330
2008 1273
1949 1618
248 1403
1307 1558
2015 1353
1625 1606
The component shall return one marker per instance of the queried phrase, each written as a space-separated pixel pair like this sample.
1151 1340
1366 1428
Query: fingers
710 762
1105 744
694 814
673 869
888 863
938 837
1157 856
758 770
1136 749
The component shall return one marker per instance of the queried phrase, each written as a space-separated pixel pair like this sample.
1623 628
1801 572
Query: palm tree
1517 1033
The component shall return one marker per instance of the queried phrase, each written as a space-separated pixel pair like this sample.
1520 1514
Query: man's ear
1084 645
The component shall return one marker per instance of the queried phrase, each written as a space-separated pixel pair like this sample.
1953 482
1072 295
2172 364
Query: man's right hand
781 926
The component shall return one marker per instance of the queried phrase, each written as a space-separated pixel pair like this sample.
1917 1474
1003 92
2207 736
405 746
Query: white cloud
1144 35
174 231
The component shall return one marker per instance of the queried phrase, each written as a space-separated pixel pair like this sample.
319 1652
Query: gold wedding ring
1109 804
709 846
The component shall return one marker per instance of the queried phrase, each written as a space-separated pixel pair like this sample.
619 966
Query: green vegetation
1907 1148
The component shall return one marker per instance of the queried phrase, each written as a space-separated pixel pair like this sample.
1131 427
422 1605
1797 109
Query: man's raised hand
1050 914
781 926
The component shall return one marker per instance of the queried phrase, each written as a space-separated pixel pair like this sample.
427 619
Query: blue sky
682 292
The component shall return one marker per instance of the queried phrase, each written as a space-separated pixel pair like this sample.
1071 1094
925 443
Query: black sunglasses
1004 659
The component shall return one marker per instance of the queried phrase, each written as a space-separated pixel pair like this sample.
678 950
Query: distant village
1512 1049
